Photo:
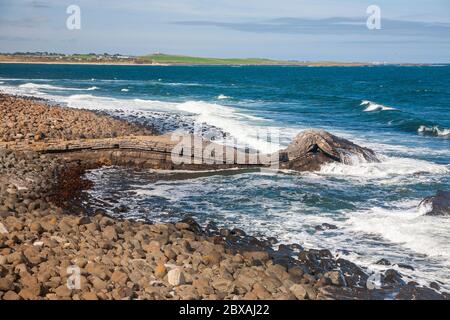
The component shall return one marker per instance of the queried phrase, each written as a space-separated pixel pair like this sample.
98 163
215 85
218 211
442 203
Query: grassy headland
155 59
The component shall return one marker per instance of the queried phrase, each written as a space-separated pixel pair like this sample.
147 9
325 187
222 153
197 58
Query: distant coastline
159 59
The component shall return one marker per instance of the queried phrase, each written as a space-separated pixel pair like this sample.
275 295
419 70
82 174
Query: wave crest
434 131
372 106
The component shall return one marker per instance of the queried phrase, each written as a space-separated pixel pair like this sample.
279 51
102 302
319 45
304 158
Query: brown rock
63 292
36 227
99 284
160 271
6 284
33 255
175 277
153 247
89 296
11 295
119 278
261 292
256 255
110 233
299 291
27 294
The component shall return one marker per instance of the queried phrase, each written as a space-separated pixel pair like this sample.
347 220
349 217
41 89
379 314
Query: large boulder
437 205
312 148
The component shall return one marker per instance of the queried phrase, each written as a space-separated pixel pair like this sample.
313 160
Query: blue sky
412 31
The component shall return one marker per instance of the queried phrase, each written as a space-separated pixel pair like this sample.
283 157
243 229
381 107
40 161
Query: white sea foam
388 167
434 130
124 90
405 224
33 87
222 97
372 106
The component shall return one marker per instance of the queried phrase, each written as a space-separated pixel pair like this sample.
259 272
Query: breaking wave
372 106
434 131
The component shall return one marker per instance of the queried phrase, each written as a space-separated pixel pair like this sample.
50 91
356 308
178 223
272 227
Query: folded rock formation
312 148
438 205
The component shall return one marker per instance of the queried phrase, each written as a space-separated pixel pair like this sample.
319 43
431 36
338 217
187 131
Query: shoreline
126 259
312 64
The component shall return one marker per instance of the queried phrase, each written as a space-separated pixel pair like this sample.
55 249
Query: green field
176 59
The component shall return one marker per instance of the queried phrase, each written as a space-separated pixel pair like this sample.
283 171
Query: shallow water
403 113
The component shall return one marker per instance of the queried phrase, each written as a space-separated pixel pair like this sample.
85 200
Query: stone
298 291
27 294
110 233
383 262
437 205
336 278
160 271
6 284
31 283
182 226
36 227
256 255
83 220
89 296
175 277
3 229
119 278
98 270
410 292
222 285
63 292
312 148
33 255
153 247
99 284
261 292
11 295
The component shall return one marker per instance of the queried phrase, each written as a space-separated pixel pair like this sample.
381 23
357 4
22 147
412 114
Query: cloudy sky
411 30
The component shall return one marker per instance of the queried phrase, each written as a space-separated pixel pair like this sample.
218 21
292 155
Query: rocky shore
51 248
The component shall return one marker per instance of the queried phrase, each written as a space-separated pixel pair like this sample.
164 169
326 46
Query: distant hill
178 59
155 59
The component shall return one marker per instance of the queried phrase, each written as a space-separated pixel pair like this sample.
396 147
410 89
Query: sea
401 112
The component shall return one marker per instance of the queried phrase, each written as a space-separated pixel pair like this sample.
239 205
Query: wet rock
405 266
437 205
410 292
336 278
83 221
325 226
383 262
435 286
312 148
392 277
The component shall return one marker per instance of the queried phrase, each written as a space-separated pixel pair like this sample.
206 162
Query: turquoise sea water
403 113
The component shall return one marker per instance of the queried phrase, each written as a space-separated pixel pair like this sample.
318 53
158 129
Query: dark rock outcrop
437 205
312 148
